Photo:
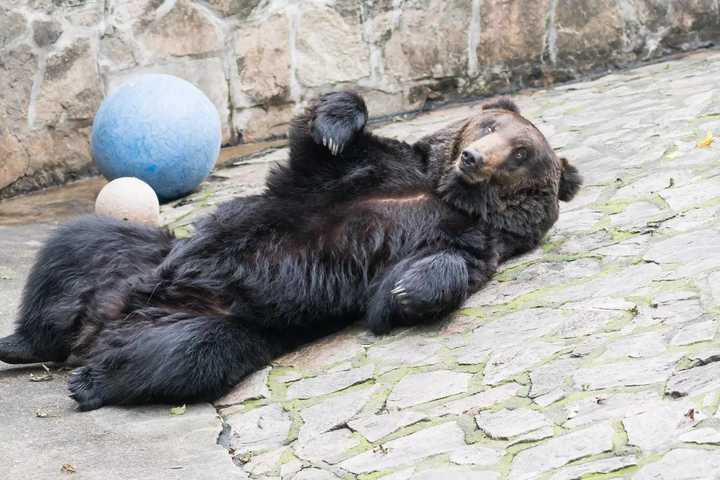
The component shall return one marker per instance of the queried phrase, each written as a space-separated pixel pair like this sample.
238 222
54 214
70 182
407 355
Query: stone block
511 33
693 23
408 55
238 9
589 34
54 156
64 148
258 123
12 26
259 429
261 63
14 159
46 33
182 31
71 88
330 48
117 51
17 70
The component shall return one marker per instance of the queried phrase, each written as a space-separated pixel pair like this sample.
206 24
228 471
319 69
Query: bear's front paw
87 388
411 299
338 117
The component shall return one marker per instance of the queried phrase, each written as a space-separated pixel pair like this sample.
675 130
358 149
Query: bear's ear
502 103
570 181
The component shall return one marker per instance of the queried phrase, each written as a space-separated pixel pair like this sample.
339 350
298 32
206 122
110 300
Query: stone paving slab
596 356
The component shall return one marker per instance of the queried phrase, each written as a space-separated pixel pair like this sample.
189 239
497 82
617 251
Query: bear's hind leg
177 359
83 261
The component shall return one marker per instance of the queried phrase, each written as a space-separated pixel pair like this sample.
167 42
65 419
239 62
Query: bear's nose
471 158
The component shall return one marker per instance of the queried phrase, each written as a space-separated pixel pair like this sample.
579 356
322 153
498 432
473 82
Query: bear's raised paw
337 118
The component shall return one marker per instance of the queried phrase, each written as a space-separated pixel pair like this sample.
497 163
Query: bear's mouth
473 174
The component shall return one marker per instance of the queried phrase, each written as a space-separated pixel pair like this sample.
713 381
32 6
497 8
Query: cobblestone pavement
596 356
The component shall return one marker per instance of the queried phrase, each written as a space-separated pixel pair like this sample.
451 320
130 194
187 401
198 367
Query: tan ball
129 199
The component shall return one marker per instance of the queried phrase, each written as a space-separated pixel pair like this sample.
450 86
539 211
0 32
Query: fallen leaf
67 468
178 410
691 414
45 377
41 413
707 141
672 153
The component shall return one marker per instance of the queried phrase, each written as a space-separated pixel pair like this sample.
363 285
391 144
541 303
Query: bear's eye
520 154
489 129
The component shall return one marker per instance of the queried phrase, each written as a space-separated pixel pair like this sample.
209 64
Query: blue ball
160 129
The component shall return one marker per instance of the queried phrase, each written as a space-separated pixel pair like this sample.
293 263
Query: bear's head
498 155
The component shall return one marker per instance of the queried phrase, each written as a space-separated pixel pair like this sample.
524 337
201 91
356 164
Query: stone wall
259 60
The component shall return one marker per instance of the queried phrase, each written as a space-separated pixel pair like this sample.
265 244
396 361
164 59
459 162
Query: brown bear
355 227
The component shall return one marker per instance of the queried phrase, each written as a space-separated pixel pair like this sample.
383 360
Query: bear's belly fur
288 279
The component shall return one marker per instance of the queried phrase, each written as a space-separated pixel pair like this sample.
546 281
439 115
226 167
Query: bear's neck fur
499 205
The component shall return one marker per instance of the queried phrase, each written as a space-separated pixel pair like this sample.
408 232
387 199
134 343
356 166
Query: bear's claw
331 145
402 296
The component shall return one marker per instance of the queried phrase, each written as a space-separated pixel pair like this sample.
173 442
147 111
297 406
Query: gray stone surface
583 470
682 464
252 388
426 387
478 401
659 425
533 436
258 429
703 331
639 372
410 350
376 427
595 356
265 463
505 424
695 381
560 451
330 447
455 474
331 382
314 474
334 412
706 435
409 449
475 455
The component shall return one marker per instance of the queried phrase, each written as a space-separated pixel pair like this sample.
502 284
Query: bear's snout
471 158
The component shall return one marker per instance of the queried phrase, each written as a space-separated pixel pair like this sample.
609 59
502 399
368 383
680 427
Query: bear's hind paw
16 349
85 390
